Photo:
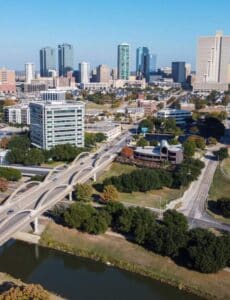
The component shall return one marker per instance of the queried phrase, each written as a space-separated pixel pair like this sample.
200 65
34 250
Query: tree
146 123
65 152
34 157
206 252
194 130
199 141
4 143
223 206
84 192
110 193
142 142
100 137
189 148
96 224
127 152
16 155
153 143
3 184
222 153
19 142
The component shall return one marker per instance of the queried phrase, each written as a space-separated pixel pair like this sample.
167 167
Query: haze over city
169 28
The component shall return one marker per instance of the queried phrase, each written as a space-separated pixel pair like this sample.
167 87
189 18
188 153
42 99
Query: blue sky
170 28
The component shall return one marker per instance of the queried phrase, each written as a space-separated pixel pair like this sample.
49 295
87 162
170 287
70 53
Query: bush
10 174
223 206
222 153
84 192
110 193
30 291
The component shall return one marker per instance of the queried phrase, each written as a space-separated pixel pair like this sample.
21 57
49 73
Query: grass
52 164
226 166
154 198
131 257
92 105
220 188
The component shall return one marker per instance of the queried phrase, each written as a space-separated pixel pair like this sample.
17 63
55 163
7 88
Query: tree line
144 179
198 249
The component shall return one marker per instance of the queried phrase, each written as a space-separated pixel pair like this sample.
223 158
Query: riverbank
111 249
7 279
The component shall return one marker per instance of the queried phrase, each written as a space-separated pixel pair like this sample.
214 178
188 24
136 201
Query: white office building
213 63
53 95
179 115
17 114
110 129
29 72
57 122
84 70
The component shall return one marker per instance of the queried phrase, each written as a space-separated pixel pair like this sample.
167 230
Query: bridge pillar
70 196
36 225
94 177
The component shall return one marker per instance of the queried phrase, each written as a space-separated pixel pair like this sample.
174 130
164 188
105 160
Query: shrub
30 291
223 206
10 174
110 193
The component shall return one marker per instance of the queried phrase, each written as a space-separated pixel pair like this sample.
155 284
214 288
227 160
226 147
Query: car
10 211
82 163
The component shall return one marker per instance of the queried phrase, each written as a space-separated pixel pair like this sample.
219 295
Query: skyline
95 30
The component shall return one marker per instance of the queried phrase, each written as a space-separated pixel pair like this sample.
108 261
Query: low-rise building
57 122
110 129
179 115
162 152
95 86
150 106
17 114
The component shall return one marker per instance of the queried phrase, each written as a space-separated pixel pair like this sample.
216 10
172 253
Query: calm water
78 278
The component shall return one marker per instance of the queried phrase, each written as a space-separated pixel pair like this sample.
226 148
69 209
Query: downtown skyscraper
123 61
213 63
47 61
65 59
145 63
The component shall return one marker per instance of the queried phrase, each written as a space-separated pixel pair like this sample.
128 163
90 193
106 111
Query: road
27 206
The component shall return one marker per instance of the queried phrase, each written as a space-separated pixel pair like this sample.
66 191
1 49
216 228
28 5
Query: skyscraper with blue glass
47 61
65 59
145 63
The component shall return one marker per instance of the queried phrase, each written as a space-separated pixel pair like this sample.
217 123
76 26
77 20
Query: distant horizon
170 29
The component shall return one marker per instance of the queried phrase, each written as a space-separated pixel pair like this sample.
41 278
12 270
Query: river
79 278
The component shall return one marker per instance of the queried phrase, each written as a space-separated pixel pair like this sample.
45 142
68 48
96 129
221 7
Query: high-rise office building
65 59
56 122
145 63
142 62
103 73
123 61
29 72
213 63
47 61
179 72
84 70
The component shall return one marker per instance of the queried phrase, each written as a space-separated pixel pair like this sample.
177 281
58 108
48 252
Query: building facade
213 63
103 73
47 61
180 116
65 59
179 72
7 81
84 71
123 61
57 122
53 95
17 114
29 72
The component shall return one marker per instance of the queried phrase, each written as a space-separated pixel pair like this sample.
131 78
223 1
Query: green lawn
220 186
155 198
52 164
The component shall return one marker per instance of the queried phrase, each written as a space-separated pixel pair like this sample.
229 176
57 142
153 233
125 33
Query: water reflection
79 278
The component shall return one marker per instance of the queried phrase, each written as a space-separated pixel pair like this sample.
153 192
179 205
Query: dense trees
20 152
199 141
10 174
92 138
187 172
189 148
211 127
142 142
86 218
222 153
142 180
223 207
84 192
